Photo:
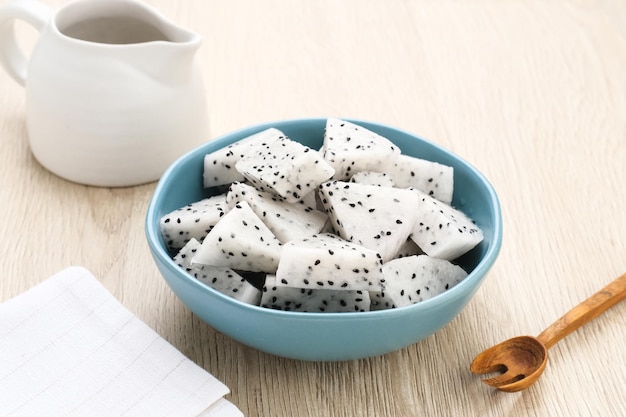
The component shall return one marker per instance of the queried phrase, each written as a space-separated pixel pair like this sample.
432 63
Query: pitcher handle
12 58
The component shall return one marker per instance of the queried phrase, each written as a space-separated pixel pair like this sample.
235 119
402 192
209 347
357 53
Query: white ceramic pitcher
113 91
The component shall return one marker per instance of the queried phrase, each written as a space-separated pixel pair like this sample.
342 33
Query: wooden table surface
533 93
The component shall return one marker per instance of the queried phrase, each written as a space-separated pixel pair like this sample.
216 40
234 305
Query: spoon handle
586 311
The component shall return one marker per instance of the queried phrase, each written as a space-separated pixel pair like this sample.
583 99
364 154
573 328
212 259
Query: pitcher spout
169 62
135 33
168 31
167 52
169 58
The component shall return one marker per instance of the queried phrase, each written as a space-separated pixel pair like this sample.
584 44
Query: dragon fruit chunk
312 300
373 178
442 231
240 240
350 148
219 166
379 218
192 221
286 168
413 279
286 220
432 178
222 279
326 261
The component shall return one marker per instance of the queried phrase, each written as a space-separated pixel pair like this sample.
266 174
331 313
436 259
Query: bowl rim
473 278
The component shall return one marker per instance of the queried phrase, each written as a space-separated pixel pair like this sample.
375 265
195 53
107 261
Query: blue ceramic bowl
326 336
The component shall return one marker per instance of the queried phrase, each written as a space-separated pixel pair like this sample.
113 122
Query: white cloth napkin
69 348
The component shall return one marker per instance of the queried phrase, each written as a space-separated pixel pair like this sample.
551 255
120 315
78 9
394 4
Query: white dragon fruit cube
219 166
412 279
286 168
222 279
286 220
350 148
240 240
442 231
326 261
279 297
379 218
432 178
193 221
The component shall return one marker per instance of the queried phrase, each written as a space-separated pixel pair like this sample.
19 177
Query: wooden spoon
521 360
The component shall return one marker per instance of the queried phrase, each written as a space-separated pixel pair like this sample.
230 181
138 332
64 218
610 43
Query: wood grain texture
533 93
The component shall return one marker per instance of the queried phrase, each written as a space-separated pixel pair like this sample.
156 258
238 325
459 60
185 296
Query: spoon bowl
520 361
